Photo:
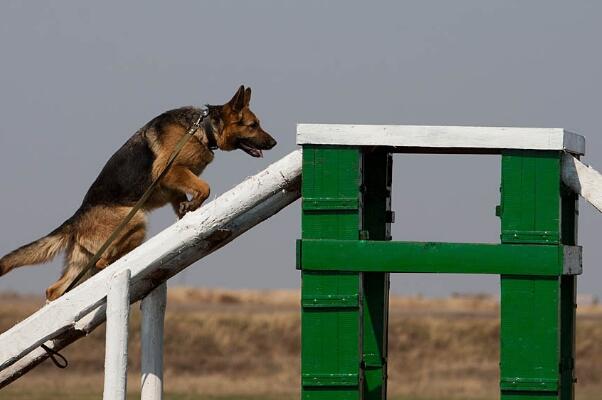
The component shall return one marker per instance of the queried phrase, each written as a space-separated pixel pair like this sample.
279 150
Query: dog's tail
40 251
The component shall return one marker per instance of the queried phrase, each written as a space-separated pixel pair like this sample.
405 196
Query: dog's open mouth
250 149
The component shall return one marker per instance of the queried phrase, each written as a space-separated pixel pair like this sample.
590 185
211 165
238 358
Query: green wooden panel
330 333
376 175
431 257
531 200
330 319
330 173
530 333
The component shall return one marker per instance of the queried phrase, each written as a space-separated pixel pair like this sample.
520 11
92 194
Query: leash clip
204 113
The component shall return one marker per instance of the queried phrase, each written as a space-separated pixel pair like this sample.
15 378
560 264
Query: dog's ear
247 96
238 101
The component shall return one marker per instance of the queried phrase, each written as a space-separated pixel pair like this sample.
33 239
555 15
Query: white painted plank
116 347
197 234
582 179
153 317
455 137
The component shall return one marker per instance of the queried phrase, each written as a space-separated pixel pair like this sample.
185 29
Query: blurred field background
244 345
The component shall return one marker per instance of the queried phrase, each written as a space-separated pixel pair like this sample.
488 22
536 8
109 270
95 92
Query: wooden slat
331 314
435 257
530 333
582 179
442 137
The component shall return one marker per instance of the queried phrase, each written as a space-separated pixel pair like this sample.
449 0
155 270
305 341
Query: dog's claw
187 206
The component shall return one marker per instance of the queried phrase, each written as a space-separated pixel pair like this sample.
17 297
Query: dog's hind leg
88 242
123 245
99 224
75 260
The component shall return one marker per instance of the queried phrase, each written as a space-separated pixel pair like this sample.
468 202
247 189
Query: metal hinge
337 380
330 301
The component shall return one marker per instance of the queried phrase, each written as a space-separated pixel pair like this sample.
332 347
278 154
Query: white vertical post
116 351
153 317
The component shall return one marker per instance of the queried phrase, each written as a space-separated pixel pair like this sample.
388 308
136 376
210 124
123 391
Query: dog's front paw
188 206
52 294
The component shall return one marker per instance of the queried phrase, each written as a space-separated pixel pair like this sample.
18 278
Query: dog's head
241 128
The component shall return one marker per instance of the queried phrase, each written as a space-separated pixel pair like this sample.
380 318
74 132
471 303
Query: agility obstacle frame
346 254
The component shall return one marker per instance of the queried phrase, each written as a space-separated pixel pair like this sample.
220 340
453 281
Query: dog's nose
271 142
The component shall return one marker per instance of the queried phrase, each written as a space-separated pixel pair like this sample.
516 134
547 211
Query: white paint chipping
582 179
197 234
454 137
116 350
153 317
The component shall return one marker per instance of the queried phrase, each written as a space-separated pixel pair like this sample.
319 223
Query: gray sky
77 79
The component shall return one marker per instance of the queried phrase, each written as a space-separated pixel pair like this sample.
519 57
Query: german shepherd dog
130 171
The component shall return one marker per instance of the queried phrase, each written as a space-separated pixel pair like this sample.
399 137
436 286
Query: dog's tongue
251 150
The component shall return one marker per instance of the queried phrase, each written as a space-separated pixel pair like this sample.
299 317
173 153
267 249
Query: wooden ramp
198 234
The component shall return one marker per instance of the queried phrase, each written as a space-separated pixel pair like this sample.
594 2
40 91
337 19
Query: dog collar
210 133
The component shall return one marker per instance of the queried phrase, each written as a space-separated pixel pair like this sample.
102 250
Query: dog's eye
254 125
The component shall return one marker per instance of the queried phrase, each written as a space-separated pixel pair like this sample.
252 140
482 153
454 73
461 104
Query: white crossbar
441 137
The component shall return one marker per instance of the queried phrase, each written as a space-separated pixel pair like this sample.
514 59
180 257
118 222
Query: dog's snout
271 142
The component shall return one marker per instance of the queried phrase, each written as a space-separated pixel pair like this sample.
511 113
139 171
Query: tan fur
34 253
92 229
